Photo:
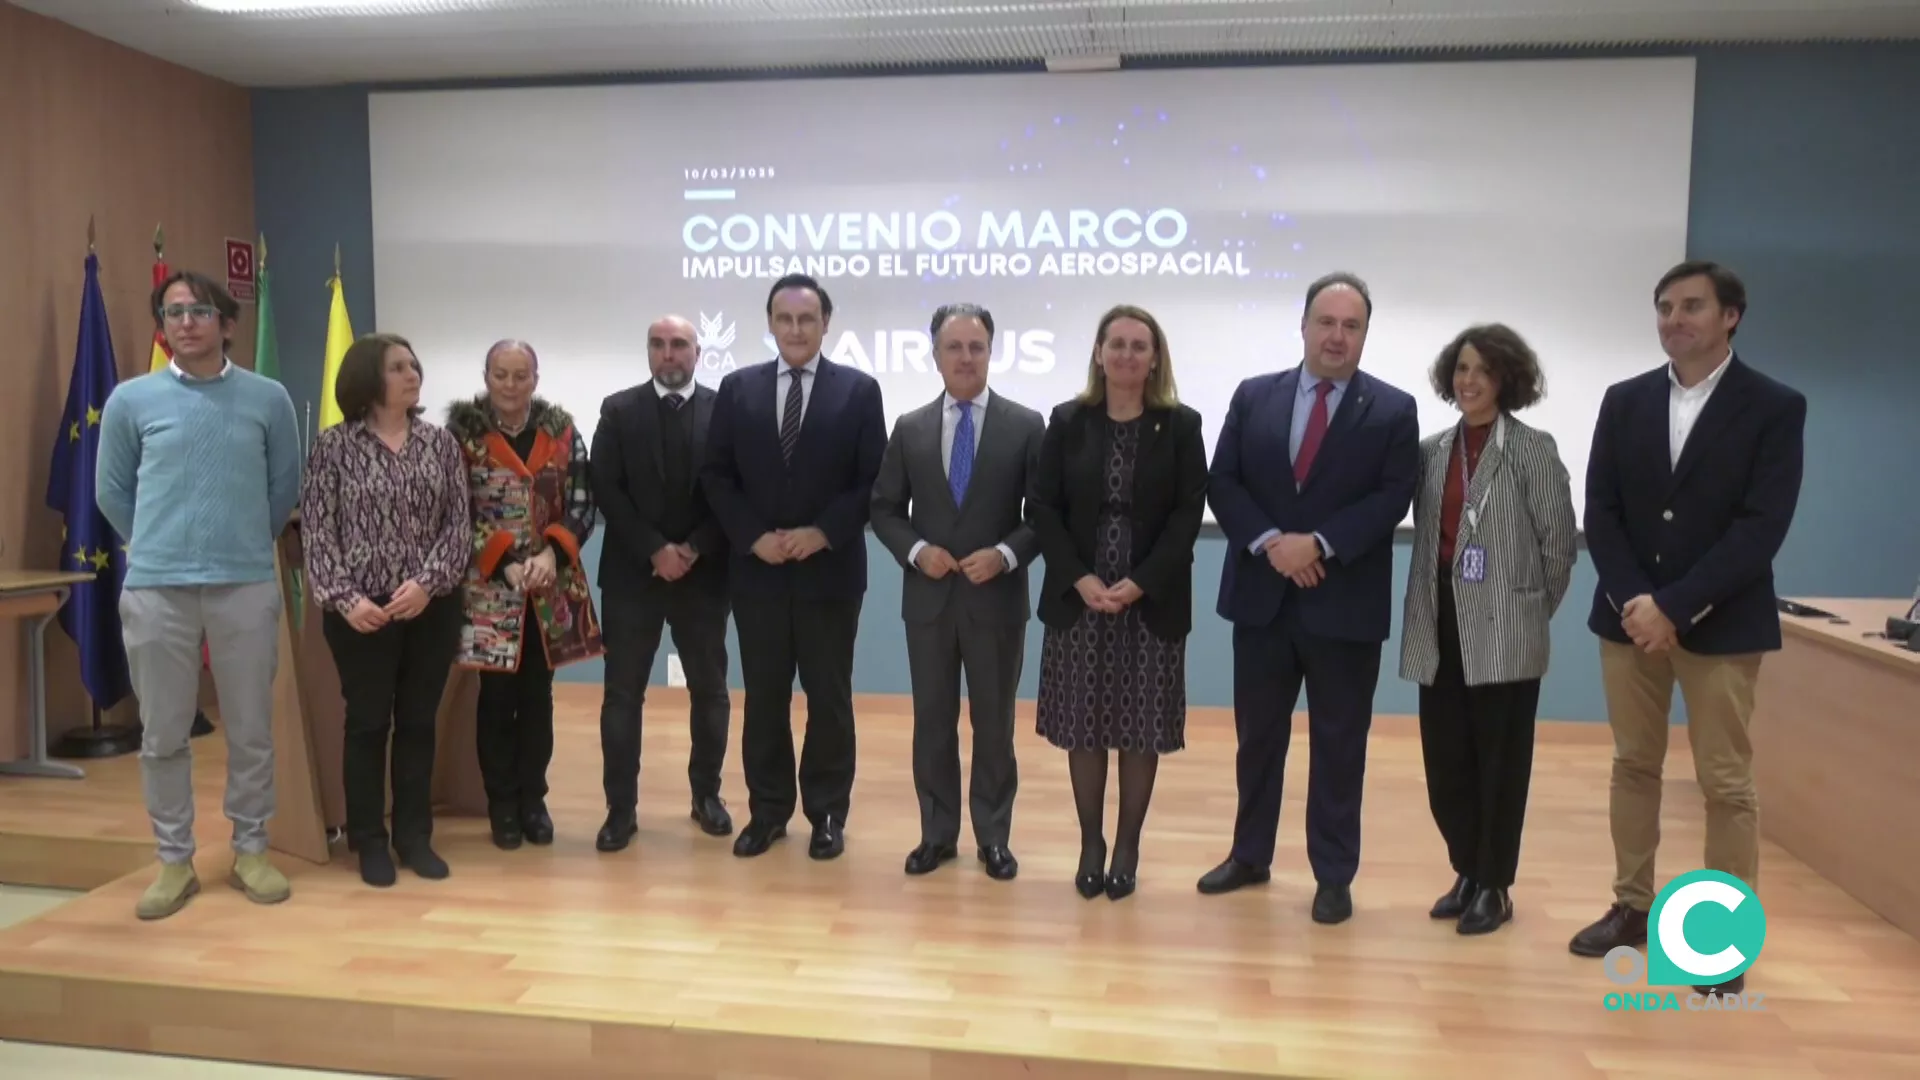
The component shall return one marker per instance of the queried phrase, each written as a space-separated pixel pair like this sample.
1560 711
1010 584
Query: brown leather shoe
1621 925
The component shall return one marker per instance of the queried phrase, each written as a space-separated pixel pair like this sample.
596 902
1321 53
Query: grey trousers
162 629
989 655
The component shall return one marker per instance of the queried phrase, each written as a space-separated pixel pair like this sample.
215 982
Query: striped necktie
790 417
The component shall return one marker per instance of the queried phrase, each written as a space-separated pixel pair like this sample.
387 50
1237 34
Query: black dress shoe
1332 904
538 826
1731 988
1091 881
507 831
423 860
1489 910
1231 875
376 865
1454 903
1621 925
620 829
829 840
711 812
1001 865
756 838
927 858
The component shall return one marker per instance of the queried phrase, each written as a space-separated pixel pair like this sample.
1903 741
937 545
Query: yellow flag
339 336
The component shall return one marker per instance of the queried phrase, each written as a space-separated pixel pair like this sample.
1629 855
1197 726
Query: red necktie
1316 431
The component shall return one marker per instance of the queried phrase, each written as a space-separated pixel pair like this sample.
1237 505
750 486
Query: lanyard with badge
1473 557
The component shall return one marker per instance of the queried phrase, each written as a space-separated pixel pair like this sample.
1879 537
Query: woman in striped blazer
1493 553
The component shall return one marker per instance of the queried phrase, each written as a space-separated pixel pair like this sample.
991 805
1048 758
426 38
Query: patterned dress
1108 682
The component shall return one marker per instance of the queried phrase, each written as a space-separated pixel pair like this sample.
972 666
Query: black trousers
781 634
515 729
391 681
1478 746
631 622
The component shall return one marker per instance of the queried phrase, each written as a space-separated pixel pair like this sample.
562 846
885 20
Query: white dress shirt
226 369
685 393
785 379
1684 404
950 423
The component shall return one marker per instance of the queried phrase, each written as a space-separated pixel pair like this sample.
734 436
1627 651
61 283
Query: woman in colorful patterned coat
528 610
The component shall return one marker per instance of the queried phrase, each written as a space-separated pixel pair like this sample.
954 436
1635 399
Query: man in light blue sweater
200 468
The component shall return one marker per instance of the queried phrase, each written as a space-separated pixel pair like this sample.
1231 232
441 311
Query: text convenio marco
908 244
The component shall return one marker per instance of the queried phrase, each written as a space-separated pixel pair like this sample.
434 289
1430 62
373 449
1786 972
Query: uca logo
716 342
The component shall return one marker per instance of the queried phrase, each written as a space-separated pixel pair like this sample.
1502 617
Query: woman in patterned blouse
387 534
528 609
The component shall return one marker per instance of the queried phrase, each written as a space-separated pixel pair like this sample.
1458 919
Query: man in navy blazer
794 446
1692 484
1315 468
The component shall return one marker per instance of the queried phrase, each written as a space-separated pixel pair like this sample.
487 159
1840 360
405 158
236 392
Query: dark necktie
674 401
960 465
790 416
1316 431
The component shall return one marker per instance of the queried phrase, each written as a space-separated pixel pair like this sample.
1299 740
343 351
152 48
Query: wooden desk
1836 750
37 595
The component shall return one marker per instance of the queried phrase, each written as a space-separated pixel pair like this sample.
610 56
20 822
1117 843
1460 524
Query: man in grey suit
949 505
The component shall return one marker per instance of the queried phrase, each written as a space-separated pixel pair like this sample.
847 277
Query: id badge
1473 563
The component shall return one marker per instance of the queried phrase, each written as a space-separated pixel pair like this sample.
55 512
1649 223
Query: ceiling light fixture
326 8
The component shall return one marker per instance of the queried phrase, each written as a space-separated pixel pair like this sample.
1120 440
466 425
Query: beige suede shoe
255 876
169 892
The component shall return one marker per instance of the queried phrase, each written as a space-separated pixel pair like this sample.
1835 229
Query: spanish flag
162 355
339 336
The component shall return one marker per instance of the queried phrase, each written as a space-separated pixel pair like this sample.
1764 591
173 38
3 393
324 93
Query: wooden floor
676 959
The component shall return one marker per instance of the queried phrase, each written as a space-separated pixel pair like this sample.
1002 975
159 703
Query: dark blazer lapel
1288 389
1353 406
823 408
998 442
702 413
1719 409
649 409
926 439
1153 424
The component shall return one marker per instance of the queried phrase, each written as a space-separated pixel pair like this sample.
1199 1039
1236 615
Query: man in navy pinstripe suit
1315 468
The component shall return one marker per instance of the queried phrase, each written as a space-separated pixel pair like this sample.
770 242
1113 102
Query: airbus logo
878 352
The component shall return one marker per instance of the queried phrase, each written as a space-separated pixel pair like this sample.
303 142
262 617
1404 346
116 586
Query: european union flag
91 616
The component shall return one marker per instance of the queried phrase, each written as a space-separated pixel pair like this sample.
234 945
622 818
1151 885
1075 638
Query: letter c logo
1736 931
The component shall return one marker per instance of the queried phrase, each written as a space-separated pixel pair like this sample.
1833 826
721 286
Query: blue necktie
960 467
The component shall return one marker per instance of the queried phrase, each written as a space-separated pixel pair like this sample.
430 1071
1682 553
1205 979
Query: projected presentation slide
1547 195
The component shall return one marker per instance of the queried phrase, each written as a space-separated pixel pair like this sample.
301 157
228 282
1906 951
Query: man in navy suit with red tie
1314 470
793 448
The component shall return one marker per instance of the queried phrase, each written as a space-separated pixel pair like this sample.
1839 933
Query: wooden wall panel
93 128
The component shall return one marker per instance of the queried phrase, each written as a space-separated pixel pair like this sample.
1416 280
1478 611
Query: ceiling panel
306 42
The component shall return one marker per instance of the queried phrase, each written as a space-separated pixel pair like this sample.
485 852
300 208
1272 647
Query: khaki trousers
1718 691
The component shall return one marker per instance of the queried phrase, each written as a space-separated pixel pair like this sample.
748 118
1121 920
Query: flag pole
97 739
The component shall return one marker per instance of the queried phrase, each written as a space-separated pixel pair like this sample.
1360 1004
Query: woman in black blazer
1116 503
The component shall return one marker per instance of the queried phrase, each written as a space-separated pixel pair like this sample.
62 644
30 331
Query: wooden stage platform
674 959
